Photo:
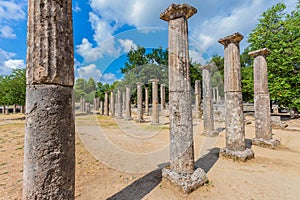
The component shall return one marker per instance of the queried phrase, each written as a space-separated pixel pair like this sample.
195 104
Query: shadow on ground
143 186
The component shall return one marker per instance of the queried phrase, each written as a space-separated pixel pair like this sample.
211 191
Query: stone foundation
271 143
245 155
185 183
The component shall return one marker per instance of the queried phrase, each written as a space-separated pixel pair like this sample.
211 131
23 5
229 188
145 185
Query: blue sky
104 31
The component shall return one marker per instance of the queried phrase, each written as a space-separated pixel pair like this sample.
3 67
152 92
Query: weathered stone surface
155 111
263 127
49 151
242 155
140 102
124 100
119 104
198 100
175 11
186 183
106 109
163 96
234 121
232 64
146 101
50 57
127 103
101 108
208 111
182 172
112 103
277 123
88 107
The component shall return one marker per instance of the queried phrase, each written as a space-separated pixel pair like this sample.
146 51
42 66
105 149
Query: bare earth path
119 160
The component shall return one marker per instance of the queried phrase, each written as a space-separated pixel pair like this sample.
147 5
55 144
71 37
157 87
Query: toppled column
181 173
155 111
198 99
234 120
112 104
146 101
119 104
263 127
128 103
140 102
163 96
208 111
49 151
106 104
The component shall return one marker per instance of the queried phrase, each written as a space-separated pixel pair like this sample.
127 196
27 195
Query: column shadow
141 187
207 161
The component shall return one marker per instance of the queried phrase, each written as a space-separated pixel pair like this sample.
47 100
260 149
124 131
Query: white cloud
127 45
7 32
10 12
4 55
14 64
196 57
76 7
89 71
108 78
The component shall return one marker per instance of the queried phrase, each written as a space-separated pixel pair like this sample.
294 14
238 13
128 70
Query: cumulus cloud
10 12
14 64
127 45
108 78
7 63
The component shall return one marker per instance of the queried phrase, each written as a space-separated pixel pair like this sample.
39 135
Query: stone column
3 109
218 95
163 96
96 103
155 111
80 105
101 108
83 105
127 103
146 101
234 120
49 151
198 99
214 94
208 110
119 104
112 103
181 173
263 127
124 100
140 102
88 108
106 104
14 108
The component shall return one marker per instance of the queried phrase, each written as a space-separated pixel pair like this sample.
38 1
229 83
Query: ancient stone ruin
49 151
181 173
234 121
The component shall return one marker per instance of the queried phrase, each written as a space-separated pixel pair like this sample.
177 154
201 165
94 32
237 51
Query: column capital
234 38
140 83
206 67
154 80
260 52
175 11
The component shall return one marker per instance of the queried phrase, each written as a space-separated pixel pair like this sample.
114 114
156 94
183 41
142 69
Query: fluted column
140 102
181 173
263 127
49 151
155 111
234 120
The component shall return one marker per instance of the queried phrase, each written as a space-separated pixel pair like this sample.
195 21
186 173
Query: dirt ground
117 159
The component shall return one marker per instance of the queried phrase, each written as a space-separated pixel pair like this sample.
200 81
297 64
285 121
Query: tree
279 32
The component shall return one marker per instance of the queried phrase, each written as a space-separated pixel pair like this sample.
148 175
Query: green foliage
280 33
13 88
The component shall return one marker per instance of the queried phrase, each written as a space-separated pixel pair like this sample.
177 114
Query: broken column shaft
49 150
155 111
128 103
140 117
234 120
119 104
